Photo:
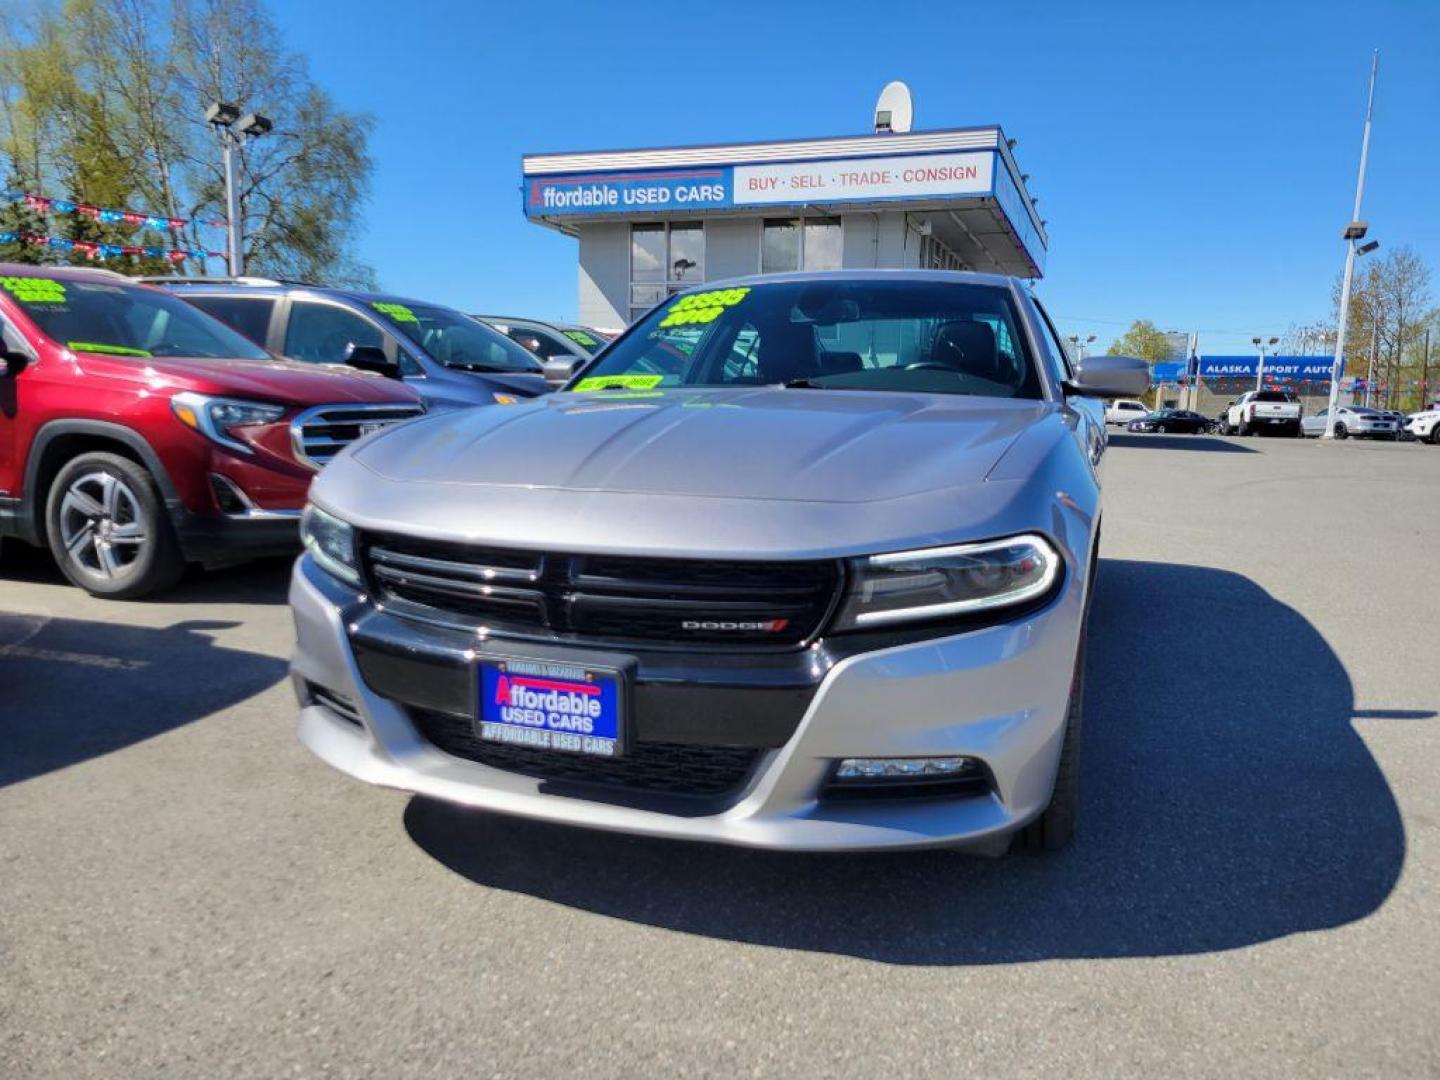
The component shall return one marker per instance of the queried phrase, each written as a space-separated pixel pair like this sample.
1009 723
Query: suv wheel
108 529
1341 432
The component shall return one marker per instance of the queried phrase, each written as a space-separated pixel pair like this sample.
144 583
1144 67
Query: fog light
868 770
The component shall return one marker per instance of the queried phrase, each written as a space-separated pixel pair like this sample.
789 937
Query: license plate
548 705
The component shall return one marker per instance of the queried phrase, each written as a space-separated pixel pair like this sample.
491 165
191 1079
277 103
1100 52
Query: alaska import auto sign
872 179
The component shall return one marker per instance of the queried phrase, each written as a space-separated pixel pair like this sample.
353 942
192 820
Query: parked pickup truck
1275 412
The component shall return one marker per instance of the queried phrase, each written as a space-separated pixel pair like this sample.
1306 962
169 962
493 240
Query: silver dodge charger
799 562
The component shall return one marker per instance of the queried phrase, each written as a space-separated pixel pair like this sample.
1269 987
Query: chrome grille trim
319 433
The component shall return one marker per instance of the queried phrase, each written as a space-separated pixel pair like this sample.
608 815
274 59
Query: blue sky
1196 162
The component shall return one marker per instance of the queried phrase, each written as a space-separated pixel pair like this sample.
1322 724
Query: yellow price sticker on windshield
34 290
696 309
398 312
624 382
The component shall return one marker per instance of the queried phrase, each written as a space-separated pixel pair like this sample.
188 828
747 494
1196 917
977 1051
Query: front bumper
998 694
216 540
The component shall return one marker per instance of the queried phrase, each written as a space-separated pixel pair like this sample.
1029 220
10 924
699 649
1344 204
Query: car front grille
650 767
318 434
671 602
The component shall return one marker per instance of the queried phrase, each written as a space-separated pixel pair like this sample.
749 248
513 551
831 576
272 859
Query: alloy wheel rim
102 525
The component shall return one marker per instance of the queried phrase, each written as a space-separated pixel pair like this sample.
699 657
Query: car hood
809 445
756 473
283 381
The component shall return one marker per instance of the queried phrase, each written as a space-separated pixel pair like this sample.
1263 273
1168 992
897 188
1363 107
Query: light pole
1080 344
232 130
1353 232
1262 346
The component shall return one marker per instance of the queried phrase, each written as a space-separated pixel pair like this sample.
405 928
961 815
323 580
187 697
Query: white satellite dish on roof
894 111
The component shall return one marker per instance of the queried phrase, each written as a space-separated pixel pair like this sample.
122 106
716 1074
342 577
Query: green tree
1389 305
1144 340
102 101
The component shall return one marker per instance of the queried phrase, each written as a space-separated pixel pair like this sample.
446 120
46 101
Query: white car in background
1123 411
1425 425
1351 420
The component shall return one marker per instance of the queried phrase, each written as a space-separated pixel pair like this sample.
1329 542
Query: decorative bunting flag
45 204
97 250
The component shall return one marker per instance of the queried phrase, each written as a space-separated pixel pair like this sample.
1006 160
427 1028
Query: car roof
258 286
953 277
67 273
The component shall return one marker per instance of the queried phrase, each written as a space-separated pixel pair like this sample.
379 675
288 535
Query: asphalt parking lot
185 892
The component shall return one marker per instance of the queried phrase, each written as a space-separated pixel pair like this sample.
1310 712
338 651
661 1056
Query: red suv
138 434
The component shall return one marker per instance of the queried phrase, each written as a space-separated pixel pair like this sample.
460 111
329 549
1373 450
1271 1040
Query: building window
935 255
800 244
665 257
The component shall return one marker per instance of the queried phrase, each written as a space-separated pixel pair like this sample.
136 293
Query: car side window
324 333
540 343
1059 357
248 315
12 338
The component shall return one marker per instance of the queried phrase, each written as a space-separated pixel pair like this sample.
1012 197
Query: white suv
1425 425
1123 411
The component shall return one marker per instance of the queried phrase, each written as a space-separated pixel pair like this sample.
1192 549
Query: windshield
456 340
840 334
124 320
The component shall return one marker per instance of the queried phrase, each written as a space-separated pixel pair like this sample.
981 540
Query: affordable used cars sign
628 193
720 187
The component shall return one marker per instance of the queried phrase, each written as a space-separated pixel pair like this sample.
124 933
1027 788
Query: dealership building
653 222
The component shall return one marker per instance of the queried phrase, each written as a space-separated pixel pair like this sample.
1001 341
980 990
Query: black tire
108 530
1435 435
1055 827
1341 432
1162 429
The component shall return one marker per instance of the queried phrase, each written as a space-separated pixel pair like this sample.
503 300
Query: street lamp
1353 232
1075 340
233 130
1262 346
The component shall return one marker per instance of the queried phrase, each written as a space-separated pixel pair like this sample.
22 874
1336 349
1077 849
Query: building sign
917 176
628 193
1287 371
1279 368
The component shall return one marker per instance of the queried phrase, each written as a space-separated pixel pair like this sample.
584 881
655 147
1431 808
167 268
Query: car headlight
217 417
933 583
330 542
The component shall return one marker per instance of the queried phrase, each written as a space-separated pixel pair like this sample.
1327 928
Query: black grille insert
606 597
673 769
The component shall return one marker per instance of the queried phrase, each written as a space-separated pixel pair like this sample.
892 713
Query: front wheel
1435 435
108 529
1055 827
1340 432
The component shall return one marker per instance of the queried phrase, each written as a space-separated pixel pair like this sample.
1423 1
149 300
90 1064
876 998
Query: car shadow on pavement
265 581
1182 442
1226 800
71 689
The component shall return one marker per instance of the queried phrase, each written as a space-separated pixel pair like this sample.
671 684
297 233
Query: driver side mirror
12 363
372 358
1110 376
561 368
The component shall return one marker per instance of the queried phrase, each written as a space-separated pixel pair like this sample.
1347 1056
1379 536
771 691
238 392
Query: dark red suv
138 434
